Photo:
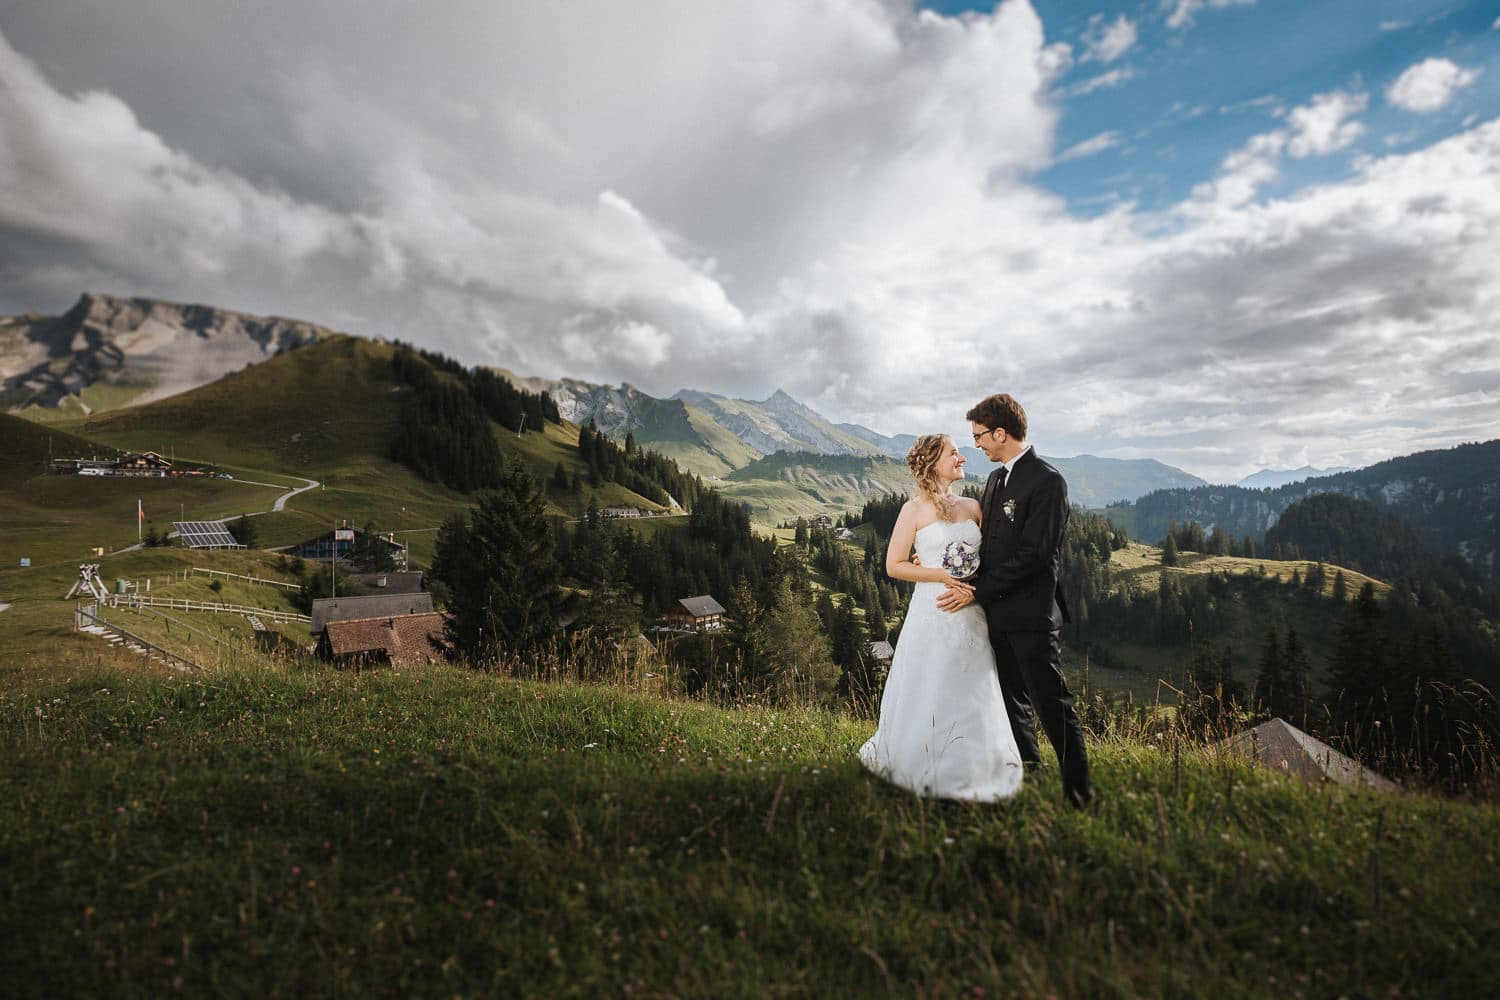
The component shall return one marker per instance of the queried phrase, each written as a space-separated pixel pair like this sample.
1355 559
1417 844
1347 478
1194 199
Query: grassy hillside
441 832
787 485
323 412
693 439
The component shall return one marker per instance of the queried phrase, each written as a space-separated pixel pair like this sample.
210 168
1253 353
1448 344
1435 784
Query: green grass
37 628
102 395
441 832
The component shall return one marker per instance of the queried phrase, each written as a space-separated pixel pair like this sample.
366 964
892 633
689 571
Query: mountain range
107 352
1270 479
1451 495
721 437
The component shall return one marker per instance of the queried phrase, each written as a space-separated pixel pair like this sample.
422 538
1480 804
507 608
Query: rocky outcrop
145 349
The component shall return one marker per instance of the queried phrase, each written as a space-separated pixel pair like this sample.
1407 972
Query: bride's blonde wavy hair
922 460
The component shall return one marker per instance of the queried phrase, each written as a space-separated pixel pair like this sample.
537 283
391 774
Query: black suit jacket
1020 555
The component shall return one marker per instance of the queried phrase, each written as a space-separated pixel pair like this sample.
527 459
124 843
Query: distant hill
1347 531
1098 482
1452 496
26 448
1270 479
108 351
788 485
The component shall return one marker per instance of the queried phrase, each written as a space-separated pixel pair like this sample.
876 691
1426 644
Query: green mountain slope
325 412
787 485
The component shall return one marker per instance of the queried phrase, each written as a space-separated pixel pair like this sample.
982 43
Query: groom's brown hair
1000 410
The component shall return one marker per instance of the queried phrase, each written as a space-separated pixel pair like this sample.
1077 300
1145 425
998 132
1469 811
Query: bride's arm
898 564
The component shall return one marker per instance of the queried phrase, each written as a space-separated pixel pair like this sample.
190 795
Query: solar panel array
205 535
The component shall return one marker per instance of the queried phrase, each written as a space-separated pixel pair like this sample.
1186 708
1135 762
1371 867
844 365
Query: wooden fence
182 604
87 616
252 579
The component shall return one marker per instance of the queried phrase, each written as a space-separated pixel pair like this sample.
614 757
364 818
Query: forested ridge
1451 496
444 433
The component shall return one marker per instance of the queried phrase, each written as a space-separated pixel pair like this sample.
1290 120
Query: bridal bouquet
960 559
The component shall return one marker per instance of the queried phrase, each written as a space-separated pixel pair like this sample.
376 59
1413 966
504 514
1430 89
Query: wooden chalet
616 512
395 640
697 614
337 544
143 463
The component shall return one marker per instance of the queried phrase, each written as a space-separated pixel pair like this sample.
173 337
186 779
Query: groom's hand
955 597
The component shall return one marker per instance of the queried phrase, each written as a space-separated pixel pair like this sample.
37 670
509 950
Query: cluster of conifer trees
647 473
1190 537
444 433
1350 532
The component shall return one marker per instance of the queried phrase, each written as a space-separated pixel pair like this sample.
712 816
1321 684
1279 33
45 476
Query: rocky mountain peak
150 347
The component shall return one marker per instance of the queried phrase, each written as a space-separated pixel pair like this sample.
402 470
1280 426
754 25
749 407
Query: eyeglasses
979 436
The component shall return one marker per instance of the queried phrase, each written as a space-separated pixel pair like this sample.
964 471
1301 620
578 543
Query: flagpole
140 517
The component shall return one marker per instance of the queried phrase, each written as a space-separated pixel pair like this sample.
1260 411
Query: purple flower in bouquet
960 559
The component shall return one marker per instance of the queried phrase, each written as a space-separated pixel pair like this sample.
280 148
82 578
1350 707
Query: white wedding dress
944 732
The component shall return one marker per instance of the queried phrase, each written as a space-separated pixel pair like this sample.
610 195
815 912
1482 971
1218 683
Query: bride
944 732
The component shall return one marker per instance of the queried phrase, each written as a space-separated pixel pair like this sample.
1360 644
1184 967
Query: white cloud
1090 147
1103 81
1107 42
836 198
1314 129
1184 11
1429 85
1323 126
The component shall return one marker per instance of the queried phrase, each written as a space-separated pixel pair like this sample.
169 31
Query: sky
1225 234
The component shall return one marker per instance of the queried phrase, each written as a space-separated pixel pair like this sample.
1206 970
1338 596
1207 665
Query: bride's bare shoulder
968 509
918 512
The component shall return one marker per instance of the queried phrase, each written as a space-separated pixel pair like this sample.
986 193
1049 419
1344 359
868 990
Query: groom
1025 509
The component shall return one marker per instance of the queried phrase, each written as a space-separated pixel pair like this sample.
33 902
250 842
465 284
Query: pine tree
748 635
1268 676
503 581
798 653
1169 551
1357 676
1298 673
1218 542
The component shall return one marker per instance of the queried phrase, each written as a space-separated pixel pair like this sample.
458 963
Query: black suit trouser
1031 680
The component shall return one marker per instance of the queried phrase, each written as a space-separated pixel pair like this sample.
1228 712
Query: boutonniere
1009 507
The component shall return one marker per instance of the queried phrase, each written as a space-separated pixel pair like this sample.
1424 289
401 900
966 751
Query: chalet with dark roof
698 614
